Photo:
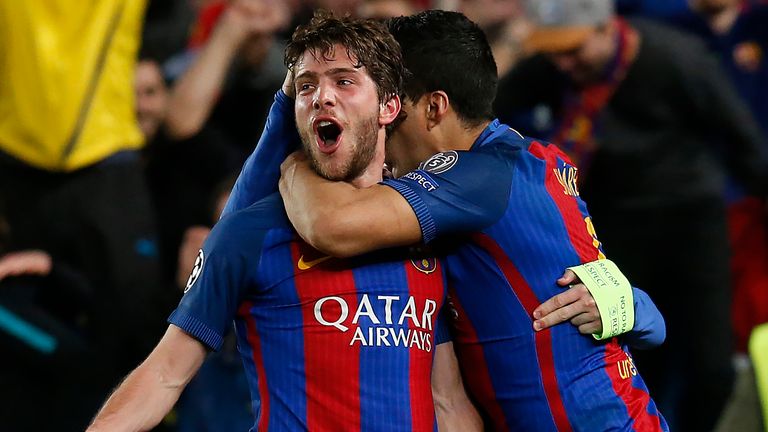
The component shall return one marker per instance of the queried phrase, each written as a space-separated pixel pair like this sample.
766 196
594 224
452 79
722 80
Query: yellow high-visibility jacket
66 80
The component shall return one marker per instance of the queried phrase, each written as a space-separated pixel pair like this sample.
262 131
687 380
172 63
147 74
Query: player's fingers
289 162
585 318
556 302
567 278
594 327
558 316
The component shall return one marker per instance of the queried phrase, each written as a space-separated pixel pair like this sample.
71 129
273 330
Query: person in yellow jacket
70 176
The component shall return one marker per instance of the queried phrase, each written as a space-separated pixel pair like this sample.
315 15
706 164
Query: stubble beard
364 136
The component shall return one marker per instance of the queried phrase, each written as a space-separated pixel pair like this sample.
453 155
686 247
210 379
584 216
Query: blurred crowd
123 124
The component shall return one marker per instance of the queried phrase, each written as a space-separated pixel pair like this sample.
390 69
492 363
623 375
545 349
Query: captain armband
613 296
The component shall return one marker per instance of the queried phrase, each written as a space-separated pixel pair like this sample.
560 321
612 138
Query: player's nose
324 97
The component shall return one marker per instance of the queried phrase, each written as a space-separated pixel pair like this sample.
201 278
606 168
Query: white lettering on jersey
380 331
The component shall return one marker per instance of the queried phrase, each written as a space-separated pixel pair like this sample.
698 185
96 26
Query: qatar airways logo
416 315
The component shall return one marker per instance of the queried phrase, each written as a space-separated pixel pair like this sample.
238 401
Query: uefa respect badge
613 296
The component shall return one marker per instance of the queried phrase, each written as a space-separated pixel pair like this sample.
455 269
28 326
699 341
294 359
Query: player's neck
374 172
459 137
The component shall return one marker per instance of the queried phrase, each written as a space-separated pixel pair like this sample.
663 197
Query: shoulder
512 146
252 223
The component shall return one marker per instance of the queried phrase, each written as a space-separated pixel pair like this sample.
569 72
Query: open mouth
328 133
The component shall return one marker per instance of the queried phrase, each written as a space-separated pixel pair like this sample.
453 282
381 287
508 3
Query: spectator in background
69 162
217 398
640 108
505 26
215 111
228 87
382 9
659 8
151 98
47 353
737 32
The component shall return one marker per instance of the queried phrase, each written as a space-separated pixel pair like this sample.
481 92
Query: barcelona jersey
513 205
327 344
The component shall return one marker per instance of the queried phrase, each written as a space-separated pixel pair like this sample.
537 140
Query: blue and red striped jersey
327 344
517 203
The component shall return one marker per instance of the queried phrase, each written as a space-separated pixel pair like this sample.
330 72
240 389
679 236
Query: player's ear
437 105
389 110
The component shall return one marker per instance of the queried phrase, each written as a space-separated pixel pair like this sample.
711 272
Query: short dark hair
366 40
446 51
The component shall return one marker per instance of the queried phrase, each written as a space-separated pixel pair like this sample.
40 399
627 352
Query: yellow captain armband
613 296
758 352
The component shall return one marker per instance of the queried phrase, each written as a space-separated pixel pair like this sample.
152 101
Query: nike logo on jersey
306 265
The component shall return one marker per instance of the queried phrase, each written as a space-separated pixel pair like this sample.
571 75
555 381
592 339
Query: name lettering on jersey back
626 367
423 179
379 329
568 178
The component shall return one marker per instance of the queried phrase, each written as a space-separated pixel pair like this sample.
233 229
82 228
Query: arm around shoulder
150 391
341 220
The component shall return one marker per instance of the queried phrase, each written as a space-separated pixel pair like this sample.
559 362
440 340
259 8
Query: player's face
409 143
337 113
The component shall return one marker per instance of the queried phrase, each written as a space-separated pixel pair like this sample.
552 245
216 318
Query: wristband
613 296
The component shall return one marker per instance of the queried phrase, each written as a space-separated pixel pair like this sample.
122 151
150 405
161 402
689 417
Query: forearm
139 404
457 414
453 409
314 205
194 95
151 390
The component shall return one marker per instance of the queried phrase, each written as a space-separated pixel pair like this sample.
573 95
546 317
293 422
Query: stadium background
103 208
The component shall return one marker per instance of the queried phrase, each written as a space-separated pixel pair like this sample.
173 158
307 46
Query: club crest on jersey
425 265
196 270
568 178
440 162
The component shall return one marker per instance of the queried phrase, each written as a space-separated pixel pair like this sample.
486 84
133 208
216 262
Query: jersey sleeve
442 326
649 330
458 191
216 285
261 171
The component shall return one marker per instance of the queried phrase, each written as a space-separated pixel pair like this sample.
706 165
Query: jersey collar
491 132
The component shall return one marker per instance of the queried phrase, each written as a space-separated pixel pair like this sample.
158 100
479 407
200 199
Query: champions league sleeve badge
440 162
196 270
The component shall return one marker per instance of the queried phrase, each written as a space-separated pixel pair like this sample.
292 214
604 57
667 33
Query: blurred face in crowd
338 113
713 6
587 60
338 7
151 97
381 9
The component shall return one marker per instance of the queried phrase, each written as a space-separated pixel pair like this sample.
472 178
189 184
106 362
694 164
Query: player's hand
575 305
28 262
245 18
296 165
288 87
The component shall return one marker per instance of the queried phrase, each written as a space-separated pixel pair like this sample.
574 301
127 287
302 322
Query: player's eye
344 82
305 87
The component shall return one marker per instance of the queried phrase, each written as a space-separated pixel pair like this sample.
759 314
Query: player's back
327 344
556 379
